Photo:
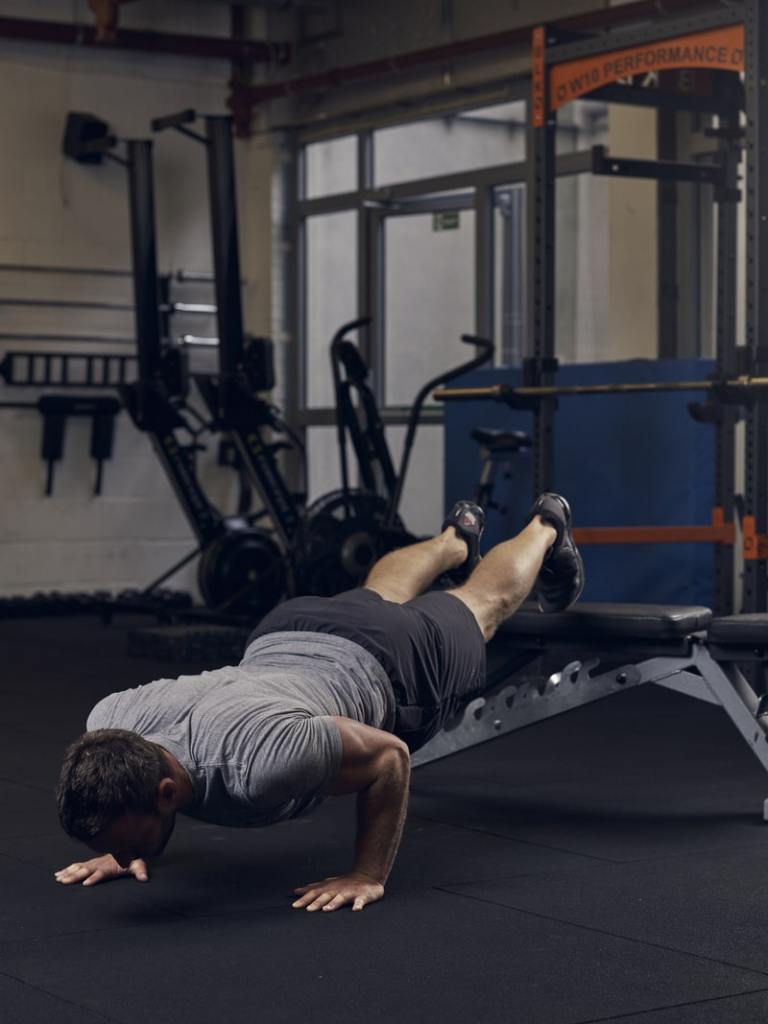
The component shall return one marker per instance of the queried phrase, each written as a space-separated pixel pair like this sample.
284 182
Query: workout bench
611 648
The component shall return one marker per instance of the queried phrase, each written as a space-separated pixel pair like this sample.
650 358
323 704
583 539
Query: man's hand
101 869
332 893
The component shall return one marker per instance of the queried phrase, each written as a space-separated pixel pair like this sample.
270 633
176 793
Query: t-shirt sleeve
100 716
290 769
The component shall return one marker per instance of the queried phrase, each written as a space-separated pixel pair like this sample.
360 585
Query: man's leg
405 573
506 576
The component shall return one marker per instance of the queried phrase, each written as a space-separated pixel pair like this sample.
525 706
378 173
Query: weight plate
242 572
342 538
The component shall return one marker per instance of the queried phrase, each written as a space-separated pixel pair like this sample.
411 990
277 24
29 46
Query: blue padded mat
622 460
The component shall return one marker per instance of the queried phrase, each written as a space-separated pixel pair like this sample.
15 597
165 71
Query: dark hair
106 773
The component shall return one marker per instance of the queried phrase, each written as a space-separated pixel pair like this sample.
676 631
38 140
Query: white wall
56 212
633 275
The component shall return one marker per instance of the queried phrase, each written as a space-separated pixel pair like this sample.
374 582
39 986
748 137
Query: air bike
245 569
347 530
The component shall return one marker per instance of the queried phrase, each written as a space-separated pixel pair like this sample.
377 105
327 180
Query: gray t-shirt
258 740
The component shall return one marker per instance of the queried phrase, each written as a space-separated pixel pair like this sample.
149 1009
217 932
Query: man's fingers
337 892
358 902
138 869
338 901
315 899
67 872
306 898
74 873
96 876
322 900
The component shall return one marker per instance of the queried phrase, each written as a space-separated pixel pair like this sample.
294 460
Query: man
331 697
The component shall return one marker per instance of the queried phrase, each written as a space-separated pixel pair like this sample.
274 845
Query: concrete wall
56 212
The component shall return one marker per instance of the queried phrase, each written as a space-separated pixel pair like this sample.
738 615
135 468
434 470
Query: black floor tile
538 820
26 810
35 906
209 870
23 1003
750 1009
711 905
432 851
426 957
642 774
28 757
55 719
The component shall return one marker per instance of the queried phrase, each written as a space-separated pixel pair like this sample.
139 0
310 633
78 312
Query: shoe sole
568 521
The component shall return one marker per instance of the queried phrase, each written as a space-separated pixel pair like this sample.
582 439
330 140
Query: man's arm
376 766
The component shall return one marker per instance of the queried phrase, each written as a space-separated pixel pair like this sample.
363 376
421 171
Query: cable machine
240 569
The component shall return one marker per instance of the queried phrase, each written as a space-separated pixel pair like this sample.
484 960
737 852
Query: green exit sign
448 220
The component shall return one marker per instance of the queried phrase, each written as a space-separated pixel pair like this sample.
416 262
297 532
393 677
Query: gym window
421 226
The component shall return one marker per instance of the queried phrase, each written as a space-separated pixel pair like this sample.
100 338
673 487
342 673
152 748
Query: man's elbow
395 760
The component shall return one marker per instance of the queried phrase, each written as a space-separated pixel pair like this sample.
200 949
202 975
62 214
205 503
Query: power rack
724 40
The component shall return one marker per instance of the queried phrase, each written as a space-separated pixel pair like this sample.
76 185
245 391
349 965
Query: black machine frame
233 400
234 553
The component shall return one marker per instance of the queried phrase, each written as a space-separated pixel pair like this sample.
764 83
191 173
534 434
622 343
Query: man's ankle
456 547
540 524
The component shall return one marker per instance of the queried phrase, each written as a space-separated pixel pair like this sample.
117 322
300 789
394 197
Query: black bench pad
596 621
740 629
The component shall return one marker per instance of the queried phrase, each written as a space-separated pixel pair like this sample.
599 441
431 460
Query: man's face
135 835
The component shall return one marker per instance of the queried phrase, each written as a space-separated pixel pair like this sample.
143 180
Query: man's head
117 793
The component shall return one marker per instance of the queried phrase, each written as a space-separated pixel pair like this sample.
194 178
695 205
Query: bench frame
690 664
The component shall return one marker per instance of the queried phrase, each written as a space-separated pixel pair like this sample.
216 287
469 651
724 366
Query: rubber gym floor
607 865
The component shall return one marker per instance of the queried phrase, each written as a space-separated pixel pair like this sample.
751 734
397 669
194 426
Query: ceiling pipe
174 44
643 10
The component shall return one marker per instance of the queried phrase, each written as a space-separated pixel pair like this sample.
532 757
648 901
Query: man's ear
166 792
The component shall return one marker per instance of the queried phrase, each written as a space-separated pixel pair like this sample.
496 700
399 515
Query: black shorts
431 648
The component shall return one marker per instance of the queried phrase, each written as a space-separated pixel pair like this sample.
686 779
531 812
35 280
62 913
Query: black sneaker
561 579
468 520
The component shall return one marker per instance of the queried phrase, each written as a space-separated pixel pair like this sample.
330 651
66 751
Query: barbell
738 387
